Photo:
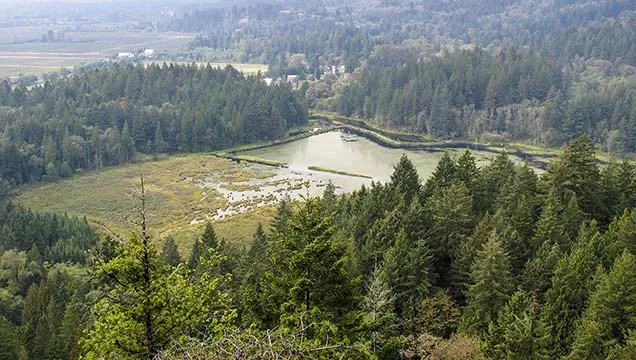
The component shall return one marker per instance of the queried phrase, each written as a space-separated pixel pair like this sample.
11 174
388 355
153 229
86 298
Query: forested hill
102 117
510 95
491 262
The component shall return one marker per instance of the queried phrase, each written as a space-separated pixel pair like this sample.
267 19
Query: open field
174 190
21 50
247 69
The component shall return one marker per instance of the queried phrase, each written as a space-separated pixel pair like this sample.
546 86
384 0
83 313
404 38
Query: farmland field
21 50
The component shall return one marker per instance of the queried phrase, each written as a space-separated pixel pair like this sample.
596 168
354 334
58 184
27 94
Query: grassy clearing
175 199
324 169
245 68
237 229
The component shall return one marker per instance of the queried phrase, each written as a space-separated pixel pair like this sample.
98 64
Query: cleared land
247 69
22 52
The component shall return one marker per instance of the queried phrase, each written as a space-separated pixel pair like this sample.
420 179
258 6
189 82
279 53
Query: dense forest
610 40
269 34
476 262
101 117
269 31
479 261
513 95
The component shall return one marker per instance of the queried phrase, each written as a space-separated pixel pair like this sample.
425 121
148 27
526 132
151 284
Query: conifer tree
572 218
405 269
170 253
377 305
466 169
159 143
147 305
252 293
549 228
314 267
611 313
575 171
538 271
208 237
491 181
443 176
452 216
195 254
567 297
405 180
491 286
467 252
518 333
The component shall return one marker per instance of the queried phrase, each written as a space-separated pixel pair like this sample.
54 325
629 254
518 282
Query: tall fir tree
519 333
611 313
169 253
491 287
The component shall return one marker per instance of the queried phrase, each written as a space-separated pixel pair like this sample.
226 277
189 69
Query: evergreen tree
492 179
576 172
571 287
491 286
208 238
252 293
148 305
195 254
9 343
538 271
378 315
549 228
451 211
170 254
611 313
314 267
466 169
443 176
572 218
405 180
159 142
467 253
518 333
405 270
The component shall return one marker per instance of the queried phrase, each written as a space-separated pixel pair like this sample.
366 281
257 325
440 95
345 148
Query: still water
355 154
333 150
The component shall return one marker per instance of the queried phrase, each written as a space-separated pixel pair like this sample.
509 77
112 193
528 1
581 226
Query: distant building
336 70
124 55
50 36
294 80
268 81
149 52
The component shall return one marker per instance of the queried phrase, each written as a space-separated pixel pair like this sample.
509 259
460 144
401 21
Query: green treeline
271 37
101 117
513 95
43 283
484 262
610 40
